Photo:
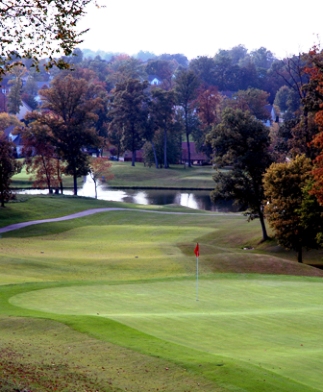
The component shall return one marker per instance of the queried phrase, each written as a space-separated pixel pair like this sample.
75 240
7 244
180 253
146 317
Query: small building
197 158
15 139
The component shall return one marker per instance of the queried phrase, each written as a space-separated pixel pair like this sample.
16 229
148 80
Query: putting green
270 322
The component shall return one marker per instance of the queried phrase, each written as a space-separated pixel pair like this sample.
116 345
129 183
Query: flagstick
197 278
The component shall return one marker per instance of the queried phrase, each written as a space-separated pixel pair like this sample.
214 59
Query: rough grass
108 303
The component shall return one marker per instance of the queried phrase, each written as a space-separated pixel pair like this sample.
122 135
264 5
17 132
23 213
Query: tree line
220 103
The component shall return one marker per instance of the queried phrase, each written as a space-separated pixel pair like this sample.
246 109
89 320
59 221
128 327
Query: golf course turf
108 302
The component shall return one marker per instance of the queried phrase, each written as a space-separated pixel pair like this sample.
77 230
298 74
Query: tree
252 100
40 157
164 70
225 73
241 142
208 112
8 119
14 96
284 185
123 67
162 109
100 171
203 67
8 167
186 89
262 58
130 112
30 27
144 55
70 106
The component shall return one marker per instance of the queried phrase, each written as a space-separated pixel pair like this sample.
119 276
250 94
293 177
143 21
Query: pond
192 199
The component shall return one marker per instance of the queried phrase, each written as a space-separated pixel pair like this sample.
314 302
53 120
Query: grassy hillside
177 177
108 302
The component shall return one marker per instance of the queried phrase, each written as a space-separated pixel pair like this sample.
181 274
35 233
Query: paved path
80 214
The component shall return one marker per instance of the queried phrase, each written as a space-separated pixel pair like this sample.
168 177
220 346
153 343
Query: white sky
202 27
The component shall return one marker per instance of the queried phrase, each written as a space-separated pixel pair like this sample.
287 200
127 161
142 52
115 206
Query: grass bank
108 302
139 176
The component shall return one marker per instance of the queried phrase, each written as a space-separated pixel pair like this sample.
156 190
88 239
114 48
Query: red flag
197 250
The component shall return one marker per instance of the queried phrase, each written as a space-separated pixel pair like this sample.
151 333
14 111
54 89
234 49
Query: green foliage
130 113
163 112
241 142
8 167
186 90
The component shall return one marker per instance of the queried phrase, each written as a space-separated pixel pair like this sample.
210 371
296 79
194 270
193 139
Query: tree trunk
155 155
265 236
165 148
75 184
188 150
133 162
187 138
300 254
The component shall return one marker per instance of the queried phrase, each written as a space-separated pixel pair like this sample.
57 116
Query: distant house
23 110
128 156
15 139
197 158
154 81
41 86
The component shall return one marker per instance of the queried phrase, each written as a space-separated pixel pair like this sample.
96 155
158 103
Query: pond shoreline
124 187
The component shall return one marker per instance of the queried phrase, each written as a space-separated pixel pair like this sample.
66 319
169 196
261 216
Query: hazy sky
202 27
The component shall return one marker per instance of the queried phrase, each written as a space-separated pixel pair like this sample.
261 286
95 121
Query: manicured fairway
110 301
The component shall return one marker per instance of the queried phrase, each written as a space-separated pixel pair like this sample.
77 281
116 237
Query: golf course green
111 302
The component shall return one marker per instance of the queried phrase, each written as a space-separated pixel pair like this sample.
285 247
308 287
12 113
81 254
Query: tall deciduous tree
241 142
284 185
34 29
163 106
130 113
71 104
314 102
14 96
186 89
8 167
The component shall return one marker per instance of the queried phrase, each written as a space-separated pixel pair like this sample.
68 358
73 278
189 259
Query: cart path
81 214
